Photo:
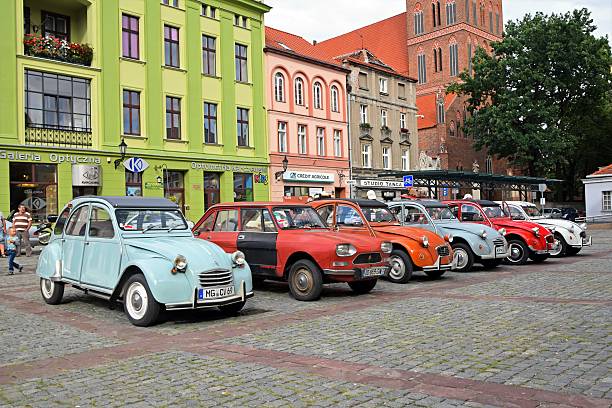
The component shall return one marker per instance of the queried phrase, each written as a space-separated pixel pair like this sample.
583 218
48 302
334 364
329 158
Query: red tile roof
603 171
387 39
426 104
287 42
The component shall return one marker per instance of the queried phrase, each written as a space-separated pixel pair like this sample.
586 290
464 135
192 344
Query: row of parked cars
143 253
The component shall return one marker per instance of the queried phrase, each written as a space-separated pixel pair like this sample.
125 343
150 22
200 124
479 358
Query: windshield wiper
175 227
152 226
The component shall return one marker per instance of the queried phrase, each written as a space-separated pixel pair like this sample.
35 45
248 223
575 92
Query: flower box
56 49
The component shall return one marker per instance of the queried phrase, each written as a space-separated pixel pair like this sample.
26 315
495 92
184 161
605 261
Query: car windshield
532 211
440 213
149 220
378 214
494 211
297 218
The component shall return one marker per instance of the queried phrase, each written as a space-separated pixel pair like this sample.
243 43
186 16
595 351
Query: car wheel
52 292
539 258
464 257
519 253
491 263
363 287
401 267
561 248
305 280
572 250
233 308
435 274
140 306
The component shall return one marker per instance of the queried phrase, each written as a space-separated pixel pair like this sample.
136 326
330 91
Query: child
12 243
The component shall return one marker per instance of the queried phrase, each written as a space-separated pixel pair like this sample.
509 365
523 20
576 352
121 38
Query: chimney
314 42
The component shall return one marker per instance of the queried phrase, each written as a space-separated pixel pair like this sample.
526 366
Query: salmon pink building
307 119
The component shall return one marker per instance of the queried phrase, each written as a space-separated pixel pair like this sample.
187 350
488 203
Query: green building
179 84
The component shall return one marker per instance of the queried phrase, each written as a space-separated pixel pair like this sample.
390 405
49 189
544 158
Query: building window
320 141
435 9
212 190
467 11
606 200
317 94
489 165
27 24
401 91
335 96
301 139
451 13
469 52
363 80
210 123
240 21
33 183
172 3
282 137
279 87
363 114
55 25
482 15
402 120
209 55
497 23
386 157
242 126
129 36
490 21
422 68
366 155
418 22
133 184
299 91
209 11
241 63
383 118
174 187
437 59
337 143
474 12
382 86
243 187
440 111
454 59
57 102
131 112
171 46
405 159
173 117
451 129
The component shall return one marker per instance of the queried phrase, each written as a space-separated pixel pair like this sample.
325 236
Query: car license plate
500 251
372 272
215 293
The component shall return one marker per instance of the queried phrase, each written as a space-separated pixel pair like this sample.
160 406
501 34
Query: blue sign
136 164
408 181
445 191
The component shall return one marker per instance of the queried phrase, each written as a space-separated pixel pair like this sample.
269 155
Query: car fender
569 237
50 261
242 273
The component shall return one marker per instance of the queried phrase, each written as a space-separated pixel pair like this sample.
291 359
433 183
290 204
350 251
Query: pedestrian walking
22 221
12 243
2 234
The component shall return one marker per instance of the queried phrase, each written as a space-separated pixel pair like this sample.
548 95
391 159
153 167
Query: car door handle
87 243
208 237
241 236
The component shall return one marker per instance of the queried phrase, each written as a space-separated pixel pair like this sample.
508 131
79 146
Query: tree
542 97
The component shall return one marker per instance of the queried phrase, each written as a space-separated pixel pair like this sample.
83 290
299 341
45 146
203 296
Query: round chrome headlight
483 234
583 226
425 241
536 231
502 231
346 250
238 258
180 263
386 247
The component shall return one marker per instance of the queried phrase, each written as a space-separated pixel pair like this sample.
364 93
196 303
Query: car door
102 255
225 229
257 240
414 216
471 213
73 243
349 219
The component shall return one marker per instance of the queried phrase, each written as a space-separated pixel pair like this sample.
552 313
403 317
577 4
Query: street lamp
279 174
122 150
163 167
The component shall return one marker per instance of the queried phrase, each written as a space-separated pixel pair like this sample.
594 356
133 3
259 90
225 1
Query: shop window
133 184
57 101
212 191
243 187
130 36
296 191
78 222
35 186
209 55
174 187
100 224
227 221
171 46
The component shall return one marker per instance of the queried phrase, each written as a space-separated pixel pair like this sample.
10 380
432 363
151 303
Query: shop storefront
385 190
298 183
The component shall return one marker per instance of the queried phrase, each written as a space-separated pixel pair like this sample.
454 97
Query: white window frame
384 118
606 201
337 143
317 95
366 155
405 160
383 85
320 141
302 139
279 87
335 99
402 120
386 158
282 137
299 91
363 114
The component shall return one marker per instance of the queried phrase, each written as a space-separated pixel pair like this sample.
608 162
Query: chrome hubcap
136 300
303 281
398 268
556 250
47 287
461 258
516 253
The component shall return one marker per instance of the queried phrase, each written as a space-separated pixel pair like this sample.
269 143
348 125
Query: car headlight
386 247
571 229
180 264
448 237
583 226
238 258
483 234
425 241
536 231
346 250
502 231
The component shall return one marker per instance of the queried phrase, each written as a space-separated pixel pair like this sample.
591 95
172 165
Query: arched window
299 91
489 165
440 111
482 14
437 58
451 12
279 87
418 20
317 95
335 105
451 128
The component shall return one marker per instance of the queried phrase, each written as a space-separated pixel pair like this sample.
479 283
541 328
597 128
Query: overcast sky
323 19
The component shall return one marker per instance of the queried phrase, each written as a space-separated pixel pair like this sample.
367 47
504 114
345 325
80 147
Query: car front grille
498 242
368 258
550 239
582 234
443 250
216 277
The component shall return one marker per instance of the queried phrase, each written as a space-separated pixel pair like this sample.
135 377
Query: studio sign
83 175
381 184
293 175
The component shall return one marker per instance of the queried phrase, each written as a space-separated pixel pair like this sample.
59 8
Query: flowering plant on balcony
54 48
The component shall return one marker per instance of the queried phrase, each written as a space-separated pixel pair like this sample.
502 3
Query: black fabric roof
362 202
137 202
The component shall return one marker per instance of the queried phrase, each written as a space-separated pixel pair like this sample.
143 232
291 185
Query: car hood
459 228
556 223
413 233
509 223
200 254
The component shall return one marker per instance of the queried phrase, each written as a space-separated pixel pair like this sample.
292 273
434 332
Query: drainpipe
350 144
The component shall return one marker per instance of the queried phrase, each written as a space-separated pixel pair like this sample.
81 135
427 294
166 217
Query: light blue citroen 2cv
142 253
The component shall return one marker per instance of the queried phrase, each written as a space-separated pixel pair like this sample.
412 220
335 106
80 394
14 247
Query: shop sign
238 168
153 186
49 157
381 184
83 175
136 164
261 178
294 175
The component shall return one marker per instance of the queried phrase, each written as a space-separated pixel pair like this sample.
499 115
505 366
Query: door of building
174 187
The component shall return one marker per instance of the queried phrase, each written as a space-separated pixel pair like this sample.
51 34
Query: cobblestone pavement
538 335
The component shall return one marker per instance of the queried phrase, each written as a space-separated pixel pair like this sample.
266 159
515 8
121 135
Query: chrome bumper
437 267
588 241
195 304
495 255
356 273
